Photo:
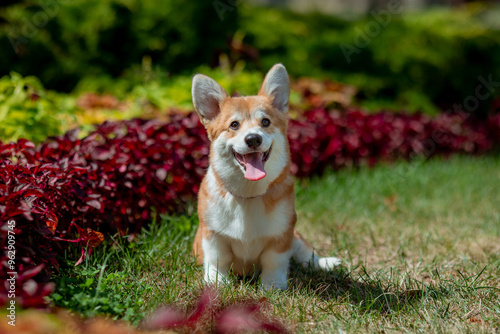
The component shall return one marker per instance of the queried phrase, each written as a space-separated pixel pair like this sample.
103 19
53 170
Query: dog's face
248 134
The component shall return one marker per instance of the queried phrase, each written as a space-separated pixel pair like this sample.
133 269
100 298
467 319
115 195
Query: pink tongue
254 168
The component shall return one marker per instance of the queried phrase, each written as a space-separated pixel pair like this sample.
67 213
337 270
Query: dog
246 199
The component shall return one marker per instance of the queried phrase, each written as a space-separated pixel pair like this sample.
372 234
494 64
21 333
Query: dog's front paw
275 280
329 263
215 276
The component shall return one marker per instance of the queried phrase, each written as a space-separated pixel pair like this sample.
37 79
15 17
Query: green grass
420 244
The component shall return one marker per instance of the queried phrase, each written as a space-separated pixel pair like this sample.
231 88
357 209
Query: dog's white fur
248 225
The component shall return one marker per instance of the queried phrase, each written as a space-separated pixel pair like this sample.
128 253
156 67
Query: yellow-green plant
28 111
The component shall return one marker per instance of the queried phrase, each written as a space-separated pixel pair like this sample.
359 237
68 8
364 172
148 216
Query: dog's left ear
276 86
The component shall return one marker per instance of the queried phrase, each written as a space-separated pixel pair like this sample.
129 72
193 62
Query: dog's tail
304 254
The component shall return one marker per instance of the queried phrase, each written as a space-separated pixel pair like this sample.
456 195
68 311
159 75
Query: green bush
143 84
416 61
28 111
63 41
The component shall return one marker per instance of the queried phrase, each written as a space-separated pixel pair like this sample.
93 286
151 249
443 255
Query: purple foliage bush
334 139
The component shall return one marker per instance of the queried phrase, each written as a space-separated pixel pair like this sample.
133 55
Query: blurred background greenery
144 53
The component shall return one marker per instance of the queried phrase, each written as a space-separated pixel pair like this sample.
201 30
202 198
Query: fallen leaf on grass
475 320
390 202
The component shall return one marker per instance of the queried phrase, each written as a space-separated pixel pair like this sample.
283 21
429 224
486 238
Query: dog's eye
234 125
266 122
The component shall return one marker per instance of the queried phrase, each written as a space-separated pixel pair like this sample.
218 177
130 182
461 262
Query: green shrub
28 111
416 61
63 41
144 84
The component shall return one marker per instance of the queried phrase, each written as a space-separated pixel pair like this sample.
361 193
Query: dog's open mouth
253 163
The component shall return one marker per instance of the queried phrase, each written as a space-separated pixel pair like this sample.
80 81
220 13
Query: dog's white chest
247 219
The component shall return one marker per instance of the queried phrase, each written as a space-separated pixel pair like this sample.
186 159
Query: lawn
419 240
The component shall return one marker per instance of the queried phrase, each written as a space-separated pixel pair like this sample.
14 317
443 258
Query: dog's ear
208 96
276 86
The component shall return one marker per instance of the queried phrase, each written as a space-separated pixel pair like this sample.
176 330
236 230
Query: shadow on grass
363 291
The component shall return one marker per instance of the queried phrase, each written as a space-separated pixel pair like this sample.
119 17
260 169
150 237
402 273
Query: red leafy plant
207 315
37 201
108 181
341 139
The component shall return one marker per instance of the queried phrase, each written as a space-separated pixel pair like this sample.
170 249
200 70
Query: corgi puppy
246 200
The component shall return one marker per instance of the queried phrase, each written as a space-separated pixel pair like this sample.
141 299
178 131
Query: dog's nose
253 140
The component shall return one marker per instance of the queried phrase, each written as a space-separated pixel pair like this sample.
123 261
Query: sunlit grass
420 243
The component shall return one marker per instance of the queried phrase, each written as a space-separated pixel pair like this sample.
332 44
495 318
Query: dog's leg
303 254
274 269
217 259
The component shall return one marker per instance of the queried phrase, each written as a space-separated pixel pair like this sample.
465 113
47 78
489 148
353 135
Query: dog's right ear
208 96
